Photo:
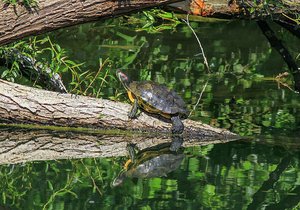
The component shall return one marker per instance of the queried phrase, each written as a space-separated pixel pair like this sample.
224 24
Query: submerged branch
260 196
282 50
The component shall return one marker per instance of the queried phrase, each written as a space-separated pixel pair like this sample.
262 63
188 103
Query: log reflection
23 145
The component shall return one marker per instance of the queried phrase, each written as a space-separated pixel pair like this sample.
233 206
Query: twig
200 45
200 96
95 77
279 82
93 180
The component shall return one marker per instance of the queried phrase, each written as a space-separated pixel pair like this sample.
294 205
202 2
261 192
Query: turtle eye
122 76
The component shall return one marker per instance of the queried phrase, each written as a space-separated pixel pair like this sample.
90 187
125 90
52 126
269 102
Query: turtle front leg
134 109
177 125
131 148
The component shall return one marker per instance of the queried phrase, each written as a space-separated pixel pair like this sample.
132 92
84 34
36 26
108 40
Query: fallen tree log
17 22
21 104
23 145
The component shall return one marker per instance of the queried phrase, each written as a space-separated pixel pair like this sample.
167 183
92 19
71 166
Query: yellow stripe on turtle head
127 163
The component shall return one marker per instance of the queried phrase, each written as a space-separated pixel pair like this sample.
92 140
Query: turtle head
123 78
119 179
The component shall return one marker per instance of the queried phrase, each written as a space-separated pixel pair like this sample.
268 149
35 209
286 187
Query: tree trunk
31 145
21 104
18 22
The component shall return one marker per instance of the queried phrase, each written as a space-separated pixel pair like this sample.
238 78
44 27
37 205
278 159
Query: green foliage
83 82
52 56
154 21
26 3
13 72
60 179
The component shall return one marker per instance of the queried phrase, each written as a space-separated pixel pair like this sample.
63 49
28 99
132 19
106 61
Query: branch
260 196
282 50
17 22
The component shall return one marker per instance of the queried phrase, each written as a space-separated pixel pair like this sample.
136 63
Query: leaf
3 75
14 73
50 185
247 165
58 48
210 189
4 197
126 37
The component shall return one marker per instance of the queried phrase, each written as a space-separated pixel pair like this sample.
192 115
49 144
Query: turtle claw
177 125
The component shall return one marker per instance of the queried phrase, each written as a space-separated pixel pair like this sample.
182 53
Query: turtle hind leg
177 125
134 109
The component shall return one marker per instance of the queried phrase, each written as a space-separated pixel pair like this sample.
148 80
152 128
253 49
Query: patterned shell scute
159 97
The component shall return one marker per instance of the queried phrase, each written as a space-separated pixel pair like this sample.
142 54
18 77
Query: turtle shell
156 166
154 163
158 99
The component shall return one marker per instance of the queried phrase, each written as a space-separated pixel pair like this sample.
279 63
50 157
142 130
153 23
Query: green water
261 172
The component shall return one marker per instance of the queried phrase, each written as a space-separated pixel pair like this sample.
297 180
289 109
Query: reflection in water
260 196
233 175
156 161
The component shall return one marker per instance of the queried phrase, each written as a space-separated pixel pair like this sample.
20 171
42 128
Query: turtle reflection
156 161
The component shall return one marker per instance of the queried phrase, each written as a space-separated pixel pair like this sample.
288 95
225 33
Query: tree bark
22 145
21 104
18 22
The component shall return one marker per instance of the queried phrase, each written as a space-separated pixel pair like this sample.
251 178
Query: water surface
259 172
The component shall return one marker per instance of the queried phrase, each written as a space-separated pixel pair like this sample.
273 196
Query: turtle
155 98
151 162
